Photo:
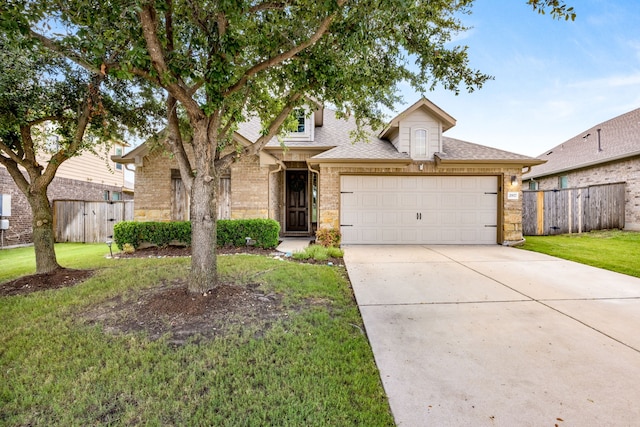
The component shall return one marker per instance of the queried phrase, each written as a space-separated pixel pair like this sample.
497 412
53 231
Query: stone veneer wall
511 213
621 171
19 231
249 188
153 187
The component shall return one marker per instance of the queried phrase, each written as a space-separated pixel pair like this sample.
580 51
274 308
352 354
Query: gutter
585 165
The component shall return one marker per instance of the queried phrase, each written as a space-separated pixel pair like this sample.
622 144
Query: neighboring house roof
612 140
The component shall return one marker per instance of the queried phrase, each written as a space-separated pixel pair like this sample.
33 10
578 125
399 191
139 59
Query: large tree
50 111
221 61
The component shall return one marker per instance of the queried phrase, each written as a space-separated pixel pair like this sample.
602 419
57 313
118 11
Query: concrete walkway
497 336
289 245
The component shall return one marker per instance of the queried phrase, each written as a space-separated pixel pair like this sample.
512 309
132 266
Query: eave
488 162
582 165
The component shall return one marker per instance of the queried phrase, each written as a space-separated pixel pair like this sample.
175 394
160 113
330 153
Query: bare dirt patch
170 310
60 278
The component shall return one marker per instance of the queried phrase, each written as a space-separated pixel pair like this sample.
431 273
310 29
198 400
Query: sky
553 78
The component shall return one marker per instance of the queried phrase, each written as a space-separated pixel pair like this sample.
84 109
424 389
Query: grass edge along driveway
613 250
313 368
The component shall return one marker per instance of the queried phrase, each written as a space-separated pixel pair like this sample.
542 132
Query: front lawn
17 262
612 250
66 359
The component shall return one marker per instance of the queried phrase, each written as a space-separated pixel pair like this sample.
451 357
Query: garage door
419 209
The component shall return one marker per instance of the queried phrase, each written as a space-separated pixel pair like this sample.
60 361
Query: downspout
317 172
279 169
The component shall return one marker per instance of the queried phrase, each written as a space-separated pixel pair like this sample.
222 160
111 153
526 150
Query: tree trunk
204 202
43 236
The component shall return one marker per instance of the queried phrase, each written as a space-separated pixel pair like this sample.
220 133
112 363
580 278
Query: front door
297 200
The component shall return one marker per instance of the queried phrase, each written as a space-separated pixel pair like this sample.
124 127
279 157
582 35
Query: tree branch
273 129
148 21
53 46
84 119
174 139
322 29
268 5
14 171
9 152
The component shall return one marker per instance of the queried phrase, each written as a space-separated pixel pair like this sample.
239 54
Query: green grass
612 250
313 368
20 261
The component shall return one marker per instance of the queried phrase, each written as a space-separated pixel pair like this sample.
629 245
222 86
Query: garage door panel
390 218
409 183
419 209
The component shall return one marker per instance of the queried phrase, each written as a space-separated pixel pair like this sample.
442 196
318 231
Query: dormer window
419 148
421 143
304 126
301 117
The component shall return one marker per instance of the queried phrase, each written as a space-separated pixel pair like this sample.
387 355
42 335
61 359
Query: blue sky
553 79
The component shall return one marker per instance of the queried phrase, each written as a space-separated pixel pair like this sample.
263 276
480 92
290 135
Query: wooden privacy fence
88 222
573 210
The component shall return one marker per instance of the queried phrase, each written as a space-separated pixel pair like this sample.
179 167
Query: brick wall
153 187
627 171
249 189
60 189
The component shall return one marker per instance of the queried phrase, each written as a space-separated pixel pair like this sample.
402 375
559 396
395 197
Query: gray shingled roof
336 141
455 149
336 133
619 138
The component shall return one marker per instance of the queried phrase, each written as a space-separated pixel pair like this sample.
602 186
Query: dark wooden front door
297 201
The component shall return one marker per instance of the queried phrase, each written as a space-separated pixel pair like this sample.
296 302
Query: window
303 126
301 117
106 195
533 185
116 195
119 153
420 143
563 181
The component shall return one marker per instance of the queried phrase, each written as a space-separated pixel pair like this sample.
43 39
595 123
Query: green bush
264 232
328 237
234 232
318 252
156 233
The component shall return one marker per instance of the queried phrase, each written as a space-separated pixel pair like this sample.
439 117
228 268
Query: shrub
233 232
318 252
230 233
328 237
155 233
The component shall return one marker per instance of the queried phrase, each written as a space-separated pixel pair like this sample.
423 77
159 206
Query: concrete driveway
497 336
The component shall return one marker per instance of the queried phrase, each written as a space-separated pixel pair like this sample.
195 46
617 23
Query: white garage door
419 209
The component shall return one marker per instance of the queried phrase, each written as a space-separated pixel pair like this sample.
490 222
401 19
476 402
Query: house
88 176
603 154
409 184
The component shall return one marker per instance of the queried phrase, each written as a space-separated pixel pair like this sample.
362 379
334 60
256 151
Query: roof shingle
619 138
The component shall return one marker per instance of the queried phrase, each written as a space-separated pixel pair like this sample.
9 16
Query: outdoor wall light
514 180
